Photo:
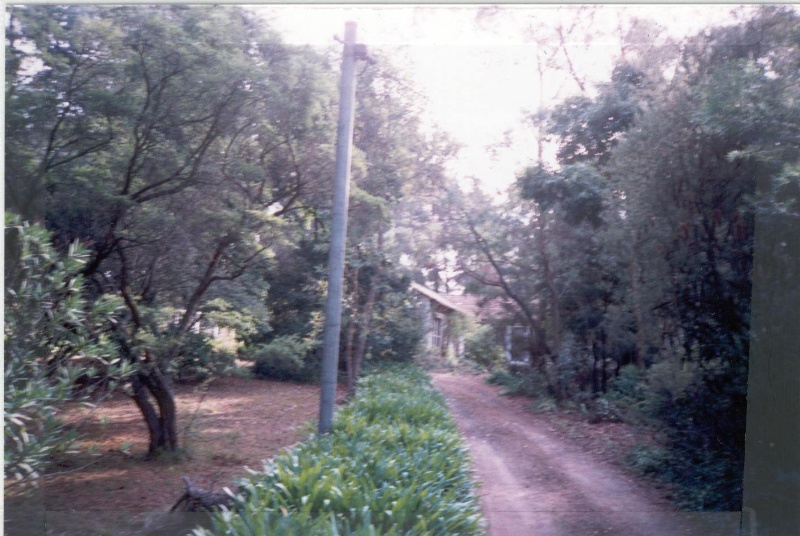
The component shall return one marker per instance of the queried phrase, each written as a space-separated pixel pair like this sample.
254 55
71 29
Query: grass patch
393 465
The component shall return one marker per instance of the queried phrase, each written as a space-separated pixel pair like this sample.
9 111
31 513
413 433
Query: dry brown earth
544 475
110 489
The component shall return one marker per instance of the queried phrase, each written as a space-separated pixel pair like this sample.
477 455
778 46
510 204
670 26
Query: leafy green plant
647 460
55 343
523 384
513 383
240 372
481 347
397 329
394 464
628 385
282 359
199 359
626 399
705 426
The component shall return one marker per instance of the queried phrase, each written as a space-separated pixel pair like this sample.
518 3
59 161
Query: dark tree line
630 258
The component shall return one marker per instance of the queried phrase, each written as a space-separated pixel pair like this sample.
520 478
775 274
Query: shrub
394 464
628 385
199 359
481 347
283 359
702 416
397 329
629 394
604 411
523 383
513 383
705 426
647 460
53 336
665 383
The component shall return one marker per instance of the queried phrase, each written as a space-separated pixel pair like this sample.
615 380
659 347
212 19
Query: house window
438 330
518 345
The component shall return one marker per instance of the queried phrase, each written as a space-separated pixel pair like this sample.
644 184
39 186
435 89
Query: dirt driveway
536 483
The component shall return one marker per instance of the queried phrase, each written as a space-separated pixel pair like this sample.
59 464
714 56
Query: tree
637 245
393 169
690 188
139 127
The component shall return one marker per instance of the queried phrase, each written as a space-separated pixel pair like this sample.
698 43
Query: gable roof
468 302
471 305
444 299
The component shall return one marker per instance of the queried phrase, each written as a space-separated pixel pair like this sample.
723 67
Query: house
447 317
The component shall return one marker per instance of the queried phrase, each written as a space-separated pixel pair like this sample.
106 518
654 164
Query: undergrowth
394 464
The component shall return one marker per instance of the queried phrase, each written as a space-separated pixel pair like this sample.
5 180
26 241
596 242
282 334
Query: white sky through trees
474 67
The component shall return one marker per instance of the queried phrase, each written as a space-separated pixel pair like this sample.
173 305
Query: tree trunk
351 334
595 379
357 358
149 414
603 361
348 350
149 382
158 385
551 287
366 320
540 351
637 315
161 424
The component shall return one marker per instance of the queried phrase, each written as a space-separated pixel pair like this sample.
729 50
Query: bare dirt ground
551 475
110 489
545 474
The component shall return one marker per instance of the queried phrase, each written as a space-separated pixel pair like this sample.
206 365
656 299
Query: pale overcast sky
476 65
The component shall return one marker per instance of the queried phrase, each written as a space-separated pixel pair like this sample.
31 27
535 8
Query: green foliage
481 347
394 464
397 329
192 148
647 460
54 339
588 129
578 190
628 383
220 312
706 427
284 358
519 383
198 358
664 383
670 164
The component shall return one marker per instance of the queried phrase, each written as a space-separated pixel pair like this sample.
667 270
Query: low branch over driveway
534 483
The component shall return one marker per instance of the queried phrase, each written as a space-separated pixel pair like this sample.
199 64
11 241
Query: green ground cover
393 465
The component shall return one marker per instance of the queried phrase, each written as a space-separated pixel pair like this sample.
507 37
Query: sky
474 67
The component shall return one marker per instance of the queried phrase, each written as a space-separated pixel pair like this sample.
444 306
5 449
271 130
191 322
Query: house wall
440 339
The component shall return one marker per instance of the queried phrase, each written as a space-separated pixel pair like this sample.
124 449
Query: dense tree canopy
636 246
192 152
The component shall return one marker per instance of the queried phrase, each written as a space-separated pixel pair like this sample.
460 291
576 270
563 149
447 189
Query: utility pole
341 195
